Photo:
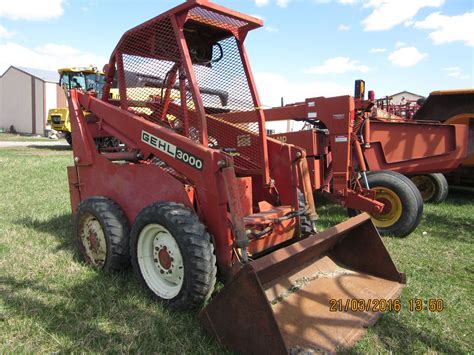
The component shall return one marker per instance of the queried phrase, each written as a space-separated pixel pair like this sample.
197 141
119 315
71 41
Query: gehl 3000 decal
172 150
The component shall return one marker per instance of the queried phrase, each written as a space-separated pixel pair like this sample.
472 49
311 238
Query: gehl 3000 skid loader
187 194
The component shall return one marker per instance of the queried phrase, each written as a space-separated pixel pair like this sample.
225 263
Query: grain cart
188 194
358 158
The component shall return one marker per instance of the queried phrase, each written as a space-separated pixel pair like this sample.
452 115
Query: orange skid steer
187 195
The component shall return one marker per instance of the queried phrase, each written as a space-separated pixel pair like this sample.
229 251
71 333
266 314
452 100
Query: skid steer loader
188 194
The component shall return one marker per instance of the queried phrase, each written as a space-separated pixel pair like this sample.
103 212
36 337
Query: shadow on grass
61 227
63 147
99 315
403 337
461 196
449 227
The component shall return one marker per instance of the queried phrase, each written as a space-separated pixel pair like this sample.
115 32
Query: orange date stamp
384 305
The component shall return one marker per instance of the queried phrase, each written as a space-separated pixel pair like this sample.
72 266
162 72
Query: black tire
107 142
116 232
306 227
195 250
411 203
410 183
68 138
433 187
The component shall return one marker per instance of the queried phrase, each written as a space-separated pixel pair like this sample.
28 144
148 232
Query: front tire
404 206
103 234
433 187
172 255
68 138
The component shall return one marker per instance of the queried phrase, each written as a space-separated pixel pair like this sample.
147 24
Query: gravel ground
9 144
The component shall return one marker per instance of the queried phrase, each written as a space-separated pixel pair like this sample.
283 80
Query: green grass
52 302
8 137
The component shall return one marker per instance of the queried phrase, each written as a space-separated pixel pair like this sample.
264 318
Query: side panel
132 186
413 147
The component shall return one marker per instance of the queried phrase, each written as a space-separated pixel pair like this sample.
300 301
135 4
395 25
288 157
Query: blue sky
307 48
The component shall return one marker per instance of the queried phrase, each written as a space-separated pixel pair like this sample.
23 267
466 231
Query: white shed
403 97
26 95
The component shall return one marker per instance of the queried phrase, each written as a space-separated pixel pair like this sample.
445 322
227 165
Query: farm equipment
89 79
449 107
189 193
358 159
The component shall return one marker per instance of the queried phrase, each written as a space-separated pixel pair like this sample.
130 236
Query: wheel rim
392 210
160 261
425 185
93 240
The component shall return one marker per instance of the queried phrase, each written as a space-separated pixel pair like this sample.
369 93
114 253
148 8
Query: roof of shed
41 74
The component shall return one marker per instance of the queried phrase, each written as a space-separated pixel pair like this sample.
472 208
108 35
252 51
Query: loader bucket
281 302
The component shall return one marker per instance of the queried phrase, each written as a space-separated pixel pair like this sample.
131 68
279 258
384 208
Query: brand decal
282 139
172 150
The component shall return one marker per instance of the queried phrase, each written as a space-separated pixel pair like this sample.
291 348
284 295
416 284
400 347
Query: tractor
89 79
196 191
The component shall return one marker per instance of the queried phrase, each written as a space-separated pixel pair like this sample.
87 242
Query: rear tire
172 255
103 234
404 203
433 187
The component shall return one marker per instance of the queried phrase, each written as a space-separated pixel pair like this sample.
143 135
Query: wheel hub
392 210
425 185
93 240
160 261
164 258
387 205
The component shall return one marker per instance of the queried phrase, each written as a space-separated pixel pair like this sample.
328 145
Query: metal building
26 95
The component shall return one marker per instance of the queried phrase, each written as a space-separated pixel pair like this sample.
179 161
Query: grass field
52 302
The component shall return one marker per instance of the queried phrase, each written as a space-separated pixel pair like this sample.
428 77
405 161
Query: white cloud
261 2
338 65
386 14
283 3
344 28
449 28
456 72
347 2
400 44
4 33
31 9
406 57
274 86
378 50
49 56
271 29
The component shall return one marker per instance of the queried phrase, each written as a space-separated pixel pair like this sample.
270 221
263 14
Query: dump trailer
449 107
189 195
359 159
